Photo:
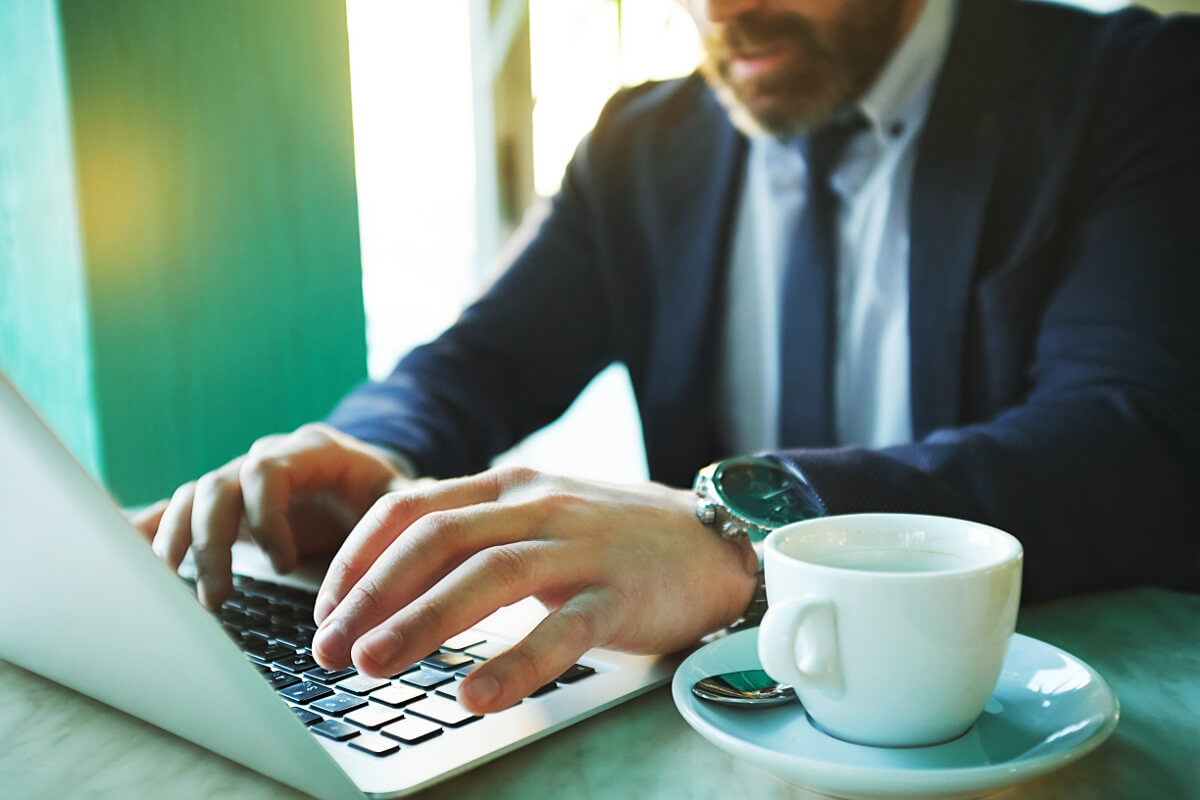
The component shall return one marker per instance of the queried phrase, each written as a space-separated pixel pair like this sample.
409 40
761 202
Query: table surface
1146 643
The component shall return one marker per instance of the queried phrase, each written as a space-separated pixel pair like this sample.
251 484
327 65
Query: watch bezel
714 498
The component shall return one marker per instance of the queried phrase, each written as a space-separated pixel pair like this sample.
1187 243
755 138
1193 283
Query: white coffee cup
892 628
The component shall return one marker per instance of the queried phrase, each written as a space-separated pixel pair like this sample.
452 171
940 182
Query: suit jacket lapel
957 159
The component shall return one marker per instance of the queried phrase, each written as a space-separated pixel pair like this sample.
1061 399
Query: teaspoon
751 688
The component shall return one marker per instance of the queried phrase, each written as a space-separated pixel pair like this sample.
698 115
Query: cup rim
1009 551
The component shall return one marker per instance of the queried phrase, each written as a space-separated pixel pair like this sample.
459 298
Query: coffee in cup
893 628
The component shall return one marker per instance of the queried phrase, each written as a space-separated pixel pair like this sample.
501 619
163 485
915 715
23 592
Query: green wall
43 308
179 256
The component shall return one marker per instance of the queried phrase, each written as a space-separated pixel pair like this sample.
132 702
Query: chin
783 115
778 119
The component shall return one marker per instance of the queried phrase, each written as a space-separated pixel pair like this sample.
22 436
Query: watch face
765 492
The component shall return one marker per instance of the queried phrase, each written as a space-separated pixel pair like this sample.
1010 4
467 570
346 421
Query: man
1017 232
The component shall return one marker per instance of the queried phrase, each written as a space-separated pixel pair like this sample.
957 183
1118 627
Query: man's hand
623 567
294 495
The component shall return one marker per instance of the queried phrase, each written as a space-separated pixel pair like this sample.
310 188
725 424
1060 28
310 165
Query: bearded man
929 256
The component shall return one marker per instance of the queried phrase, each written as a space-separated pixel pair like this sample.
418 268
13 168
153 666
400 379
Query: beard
826 68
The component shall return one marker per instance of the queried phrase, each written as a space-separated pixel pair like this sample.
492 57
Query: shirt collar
895 106
900 96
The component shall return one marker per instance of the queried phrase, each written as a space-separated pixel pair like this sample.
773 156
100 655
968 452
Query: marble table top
1146 643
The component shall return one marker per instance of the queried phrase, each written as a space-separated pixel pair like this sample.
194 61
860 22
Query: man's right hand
294 495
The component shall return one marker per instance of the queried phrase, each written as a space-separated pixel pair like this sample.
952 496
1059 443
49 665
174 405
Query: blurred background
217 217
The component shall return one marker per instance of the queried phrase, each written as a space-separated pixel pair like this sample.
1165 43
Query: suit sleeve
1097 470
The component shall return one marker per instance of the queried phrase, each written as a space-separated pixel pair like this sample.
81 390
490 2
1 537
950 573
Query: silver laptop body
76 578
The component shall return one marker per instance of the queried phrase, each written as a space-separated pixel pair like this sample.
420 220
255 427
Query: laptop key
397 695
362 684
335 729
545 689
233 618
450 690
447 661
276 652
300 597
291 619
305 692
264 629
439 709
256 588
574 673
322 675
255 617
279 628
411 730
338 704
373 716
281 680
405 670
297 662
254 601
306 716
295 636
487 650
255 646
464 641
236 601
279 610
374 744
252 633
426 678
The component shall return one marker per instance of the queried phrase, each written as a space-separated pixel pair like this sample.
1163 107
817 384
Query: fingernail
381 647
323 607
331 642
482 689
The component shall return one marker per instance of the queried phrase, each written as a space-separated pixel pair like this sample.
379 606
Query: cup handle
819 665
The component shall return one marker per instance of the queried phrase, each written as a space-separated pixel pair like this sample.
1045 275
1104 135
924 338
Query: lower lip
759 65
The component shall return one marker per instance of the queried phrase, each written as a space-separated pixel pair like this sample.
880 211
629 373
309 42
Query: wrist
742 499
744 565
747 601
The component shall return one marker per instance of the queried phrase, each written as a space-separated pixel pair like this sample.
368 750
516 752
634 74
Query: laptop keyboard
273 624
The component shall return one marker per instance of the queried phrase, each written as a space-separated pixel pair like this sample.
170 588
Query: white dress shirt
873 182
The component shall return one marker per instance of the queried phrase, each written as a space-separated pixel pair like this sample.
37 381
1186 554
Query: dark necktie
807 323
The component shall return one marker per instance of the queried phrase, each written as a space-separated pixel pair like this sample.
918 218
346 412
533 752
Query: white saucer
1049 709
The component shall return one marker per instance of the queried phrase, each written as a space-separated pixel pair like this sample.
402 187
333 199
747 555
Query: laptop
240 682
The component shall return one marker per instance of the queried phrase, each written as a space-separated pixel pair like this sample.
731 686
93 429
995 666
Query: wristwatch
751 496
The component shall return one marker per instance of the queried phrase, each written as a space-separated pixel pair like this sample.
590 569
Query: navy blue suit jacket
1054 300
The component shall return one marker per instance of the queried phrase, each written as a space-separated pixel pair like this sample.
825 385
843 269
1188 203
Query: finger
266 493
430 549
587 620
488 580
216 517
146 520
174 535
390 516
280 469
